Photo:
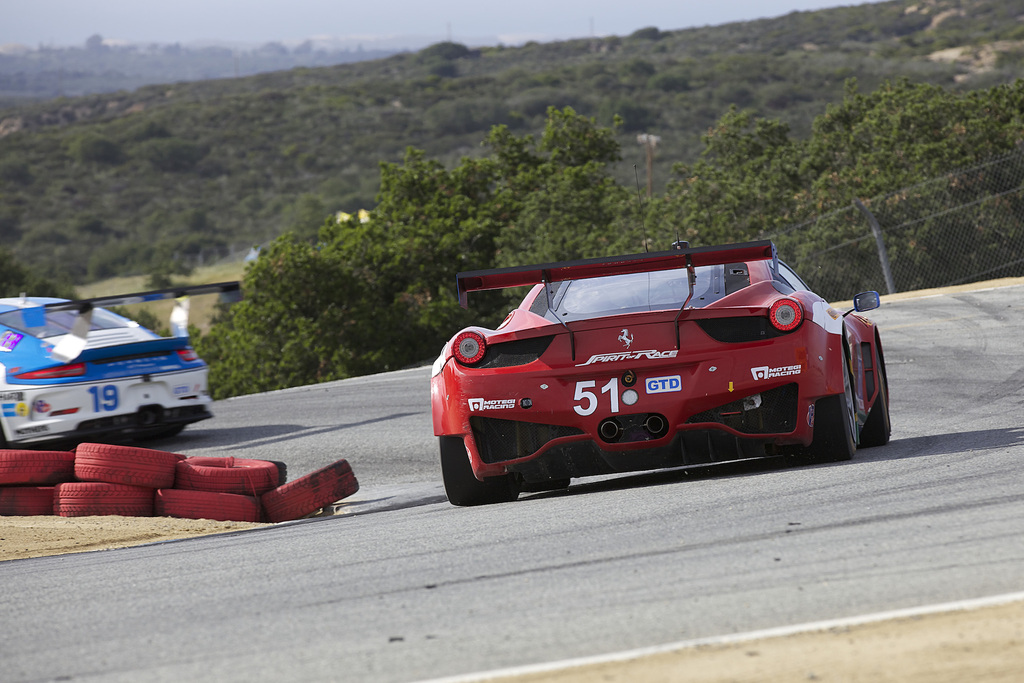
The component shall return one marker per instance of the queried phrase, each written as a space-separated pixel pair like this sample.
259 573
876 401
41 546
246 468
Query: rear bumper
117 409
717 402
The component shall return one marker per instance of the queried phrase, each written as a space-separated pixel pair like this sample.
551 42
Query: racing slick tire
26 501
84 499
835 427
191 504
877 428
126 465
309 493
227 475
461 485
36 467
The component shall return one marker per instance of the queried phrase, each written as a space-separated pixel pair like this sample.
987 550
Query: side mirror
866 301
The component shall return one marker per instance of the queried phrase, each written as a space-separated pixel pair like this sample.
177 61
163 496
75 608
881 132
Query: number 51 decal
104 398
590 399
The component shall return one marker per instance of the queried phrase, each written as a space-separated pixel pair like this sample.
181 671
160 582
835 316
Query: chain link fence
962 227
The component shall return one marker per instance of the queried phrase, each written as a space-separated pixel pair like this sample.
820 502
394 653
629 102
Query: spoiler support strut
546 280
691 280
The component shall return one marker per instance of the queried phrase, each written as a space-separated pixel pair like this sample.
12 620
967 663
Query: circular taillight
469 347
786 315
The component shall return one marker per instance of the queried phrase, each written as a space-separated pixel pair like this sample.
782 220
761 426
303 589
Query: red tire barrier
36 467
26 500
190 504
81 499
310 493
125 465
227 475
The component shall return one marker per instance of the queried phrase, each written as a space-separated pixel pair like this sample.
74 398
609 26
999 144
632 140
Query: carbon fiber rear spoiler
518 276
226 289
73 343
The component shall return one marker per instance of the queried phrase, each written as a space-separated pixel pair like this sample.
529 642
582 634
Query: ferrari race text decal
478 404
765 372
629 355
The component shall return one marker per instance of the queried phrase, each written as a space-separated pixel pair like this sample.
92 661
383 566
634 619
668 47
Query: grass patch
201 308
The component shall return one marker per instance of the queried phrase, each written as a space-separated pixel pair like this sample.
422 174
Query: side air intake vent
735 330
510 354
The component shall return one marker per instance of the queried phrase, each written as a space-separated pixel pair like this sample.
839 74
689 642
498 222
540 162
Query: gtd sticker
663 385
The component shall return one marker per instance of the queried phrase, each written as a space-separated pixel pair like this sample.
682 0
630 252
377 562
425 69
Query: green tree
16 279
747 181
380 294
94 148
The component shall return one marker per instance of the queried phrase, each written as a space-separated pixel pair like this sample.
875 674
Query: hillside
179 175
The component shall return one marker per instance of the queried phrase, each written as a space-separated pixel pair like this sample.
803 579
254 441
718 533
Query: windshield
633 293
59 322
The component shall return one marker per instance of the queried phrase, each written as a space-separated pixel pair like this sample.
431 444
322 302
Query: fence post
883 256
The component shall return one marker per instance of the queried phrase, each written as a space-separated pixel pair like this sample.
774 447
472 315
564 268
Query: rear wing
228 291
73 343
501 278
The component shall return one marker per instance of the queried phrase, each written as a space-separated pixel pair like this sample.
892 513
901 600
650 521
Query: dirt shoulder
948 647
22 537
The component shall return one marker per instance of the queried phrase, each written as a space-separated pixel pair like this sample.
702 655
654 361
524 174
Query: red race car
647 361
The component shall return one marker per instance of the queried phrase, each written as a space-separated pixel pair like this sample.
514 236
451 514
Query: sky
65 23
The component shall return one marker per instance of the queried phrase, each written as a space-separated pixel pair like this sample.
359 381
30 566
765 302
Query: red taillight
469 347
786 315
188 355
56 372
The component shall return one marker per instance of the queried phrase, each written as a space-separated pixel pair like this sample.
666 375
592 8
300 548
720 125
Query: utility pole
650 142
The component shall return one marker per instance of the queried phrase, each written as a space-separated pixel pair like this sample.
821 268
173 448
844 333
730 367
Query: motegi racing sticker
478 404
765 372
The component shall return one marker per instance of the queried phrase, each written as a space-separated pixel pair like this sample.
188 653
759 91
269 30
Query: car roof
17 303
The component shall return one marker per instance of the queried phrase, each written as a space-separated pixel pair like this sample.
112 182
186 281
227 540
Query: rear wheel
835 427
461 485
877 427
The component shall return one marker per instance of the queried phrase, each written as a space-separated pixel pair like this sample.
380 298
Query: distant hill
34 74
167 176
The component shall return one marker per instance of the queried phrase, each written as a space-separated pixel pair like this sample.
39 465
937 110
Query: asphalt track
406 587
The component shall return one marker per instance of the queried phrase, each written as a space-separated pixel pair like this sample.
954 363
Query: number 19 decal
590 399
104 398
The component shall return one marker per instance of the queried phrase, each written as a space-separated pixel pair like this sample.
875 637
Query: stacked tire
106 479
28 480
219 488
115 480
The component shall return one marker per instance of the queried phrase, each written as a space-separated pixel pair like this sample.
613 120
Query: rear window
59 323
640 292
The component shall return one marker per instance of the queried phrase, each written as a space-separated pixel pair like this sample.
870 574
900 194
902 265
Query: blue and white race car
71 371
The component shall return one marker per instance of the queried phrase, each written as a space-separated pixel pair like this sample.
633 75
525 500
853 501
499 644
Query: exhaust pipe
656 425
610 430
148 415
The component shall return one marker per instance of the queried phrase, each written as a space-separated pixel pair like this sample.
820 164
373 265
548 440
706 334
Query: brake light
188 355
786 315
56 372
469 347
